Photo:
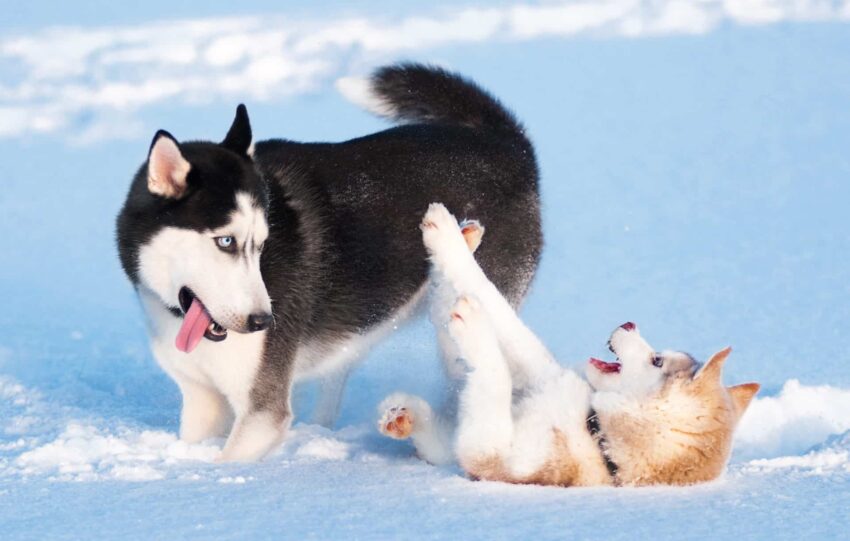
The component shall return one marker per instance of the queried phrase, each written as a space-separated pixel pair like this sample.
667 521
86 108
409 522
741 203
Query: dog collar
596 433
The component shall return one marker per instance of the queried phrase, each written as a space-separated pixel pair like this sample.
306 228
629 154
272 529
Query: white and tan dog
648 418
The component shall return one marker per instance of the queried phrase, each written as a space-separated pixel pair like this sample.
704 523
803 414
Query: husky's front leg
205 413
485 419
264 414
254 434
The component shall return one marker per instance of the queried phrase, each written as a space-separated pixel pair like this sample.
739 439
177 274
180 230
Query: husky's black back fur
345 250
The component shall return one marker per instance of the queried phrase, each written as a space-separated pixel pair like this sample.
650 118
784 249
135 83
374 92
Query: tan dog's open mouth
605 367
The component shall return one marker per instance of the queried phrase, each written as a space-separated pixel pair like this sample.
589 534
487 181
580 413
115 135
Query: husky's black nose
258 322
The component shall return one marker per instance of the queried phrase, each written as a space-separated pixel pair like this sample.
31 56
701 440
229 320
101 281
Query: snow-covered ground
695 179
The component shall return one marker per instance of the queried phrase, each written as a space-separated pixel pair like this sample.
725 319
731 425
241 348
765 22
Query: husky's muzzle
197 323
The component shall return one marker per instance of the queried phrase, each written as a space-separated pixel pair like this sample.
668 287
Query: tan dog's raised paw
397 423
472 231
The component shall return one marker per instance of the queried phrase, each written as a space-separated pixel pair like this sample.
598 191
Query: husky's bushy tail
417 93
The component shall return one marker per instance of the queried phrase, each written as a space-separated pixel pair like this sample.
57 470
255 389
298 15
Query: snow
795 420
109 73
694 182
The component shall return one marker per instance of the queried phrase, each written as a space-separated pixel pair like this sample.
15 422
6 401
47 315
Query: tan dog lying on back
648 418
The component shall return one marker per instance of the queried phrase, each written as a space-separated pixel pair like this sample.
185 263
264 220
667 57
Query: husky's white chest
229 366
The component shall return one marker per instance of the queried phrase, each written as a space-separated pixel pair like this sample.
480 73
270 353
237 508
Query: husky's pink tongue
194 326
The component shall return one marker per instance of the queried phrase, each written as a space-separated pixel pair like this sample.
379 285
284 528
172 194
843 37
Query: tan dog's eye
657 361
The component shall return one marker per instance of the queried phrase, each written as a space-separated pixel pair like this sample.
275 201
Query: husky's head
192 230
668 419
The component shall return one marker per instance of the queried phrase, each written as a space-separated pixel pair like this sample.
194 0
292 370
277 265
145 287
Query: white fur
359 91
431 433
454 263
253 436
516 359
638 374
215 378
231 288
485 424
503 356
560 401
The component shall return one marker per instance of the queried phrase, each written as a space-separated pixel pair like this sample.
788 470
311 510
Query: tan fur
563 468
680 435
742 395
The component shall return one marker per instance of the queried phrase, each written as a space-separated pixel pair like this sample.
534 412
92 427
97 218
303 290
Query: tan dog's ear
742 395
710 372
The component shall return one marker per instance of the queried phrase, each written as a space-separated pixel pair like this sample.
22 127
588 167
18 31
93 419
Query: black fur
430 95
216 176
344 250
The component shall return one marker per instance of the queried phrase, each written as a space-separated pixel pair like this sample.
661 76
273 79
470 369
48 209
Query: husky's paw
472 232
397 423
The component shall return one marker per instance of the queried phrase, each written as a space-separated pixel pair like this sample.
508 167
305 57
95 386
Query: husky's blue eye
228 244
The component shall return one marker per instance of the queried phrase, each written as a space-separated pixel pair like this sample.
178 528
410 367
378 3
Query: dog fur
661 417
302 255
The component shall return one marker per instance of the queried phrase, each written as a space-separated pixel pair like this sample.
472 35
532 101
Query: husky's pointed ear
742 395
238 137
710 372
167 168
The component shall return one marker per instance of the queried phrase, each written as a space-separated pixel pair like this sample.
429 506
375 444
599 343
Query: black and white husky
261 264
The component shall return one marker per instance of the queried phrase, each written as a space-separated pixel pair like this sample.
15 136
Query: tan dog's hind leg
529 359
485 419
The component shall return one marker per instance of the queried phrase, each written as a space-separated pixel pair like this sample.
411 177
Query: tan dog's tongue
194 326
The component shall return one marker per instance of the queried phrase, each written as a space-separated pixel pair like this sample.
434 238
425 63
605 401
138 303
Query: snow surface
695 184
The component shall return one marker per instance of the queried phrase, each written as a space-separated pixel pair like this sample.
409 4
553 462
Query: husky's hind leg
331 390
